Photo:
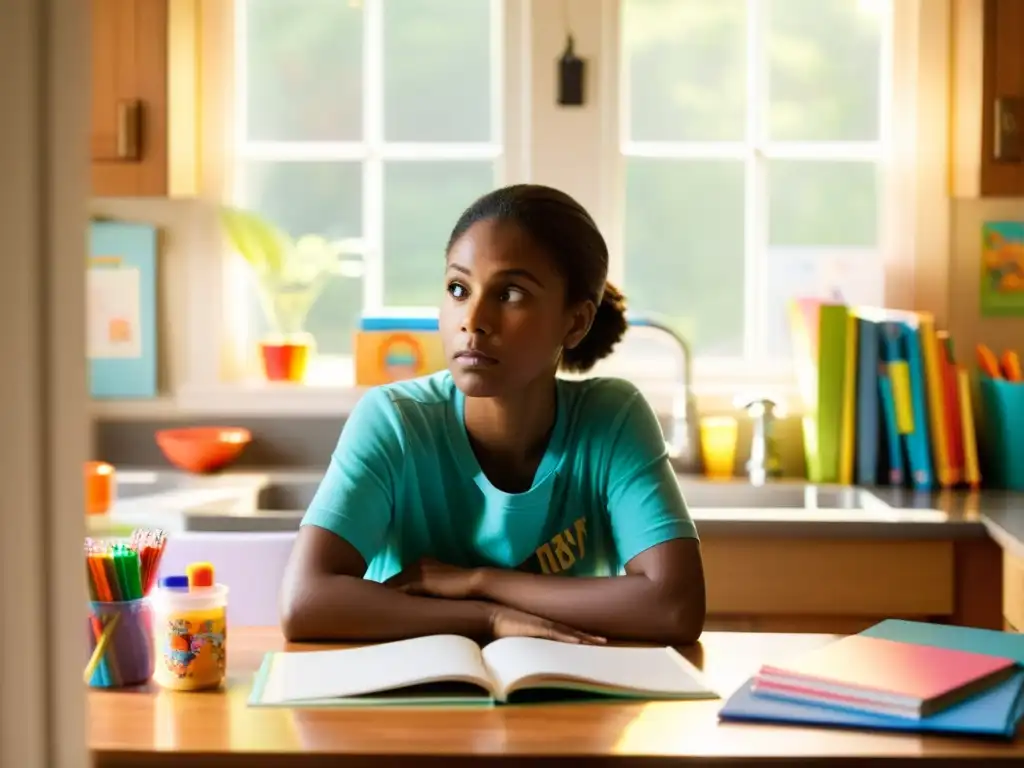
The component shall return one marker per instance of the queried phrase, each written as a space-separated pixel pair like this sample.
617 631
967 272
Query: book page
318 675
525 662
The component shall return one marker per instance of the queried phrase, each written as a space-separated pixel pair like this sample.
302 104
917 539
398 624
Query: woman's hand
432 578
509 622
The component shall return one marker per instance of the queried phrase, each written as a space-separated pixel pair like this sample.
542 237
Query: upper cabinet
1002 127
987 98
145 101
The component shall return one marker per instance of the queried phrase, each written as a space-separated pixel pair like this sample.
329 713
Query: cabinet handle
129 127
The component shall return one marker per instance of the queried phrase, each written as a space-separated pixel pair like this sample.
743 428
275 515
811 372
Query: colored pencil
116 572
101 647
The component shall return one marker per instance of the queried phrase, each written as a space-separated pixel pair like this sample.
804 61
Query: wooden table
150 726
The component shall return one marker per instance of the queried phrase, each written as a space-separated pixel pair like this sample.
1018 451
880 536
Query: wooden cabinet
1002 125
144 133
987 98
846 585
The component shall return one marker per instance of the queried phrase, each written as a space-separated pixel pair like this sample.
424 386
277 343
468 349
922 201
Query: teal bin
1001 433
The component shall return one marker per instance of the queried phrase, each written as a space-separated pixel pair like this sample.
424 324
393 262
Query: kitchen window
372 120
752 135
736 153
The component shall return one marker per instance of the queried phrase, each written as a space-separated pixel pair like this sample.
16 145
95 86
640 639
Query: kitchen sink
737 495
134 484
287 496
280 505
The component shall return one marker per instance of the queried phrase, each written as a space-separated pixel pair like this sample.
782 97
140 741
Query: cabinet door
128 139
1003 79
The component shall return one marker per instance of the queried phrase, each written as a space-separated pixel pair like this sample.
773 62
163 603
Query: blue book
922 475
868 420
995 712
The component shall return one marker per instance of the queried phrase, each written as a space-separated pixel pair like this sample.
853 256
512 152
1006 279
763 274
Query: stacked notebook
897 675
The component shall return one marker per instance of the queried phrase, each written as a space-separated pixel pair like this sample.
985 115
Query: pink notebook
885 676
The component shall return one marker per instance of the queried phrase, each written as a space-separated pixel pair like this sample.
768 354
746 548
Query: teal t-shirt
403 484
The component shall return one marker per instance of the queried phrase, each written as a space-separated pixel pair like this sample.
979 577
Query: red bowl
202 449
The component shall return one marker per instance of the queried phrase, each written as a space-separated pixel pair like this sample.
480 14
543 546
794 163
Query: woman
494 499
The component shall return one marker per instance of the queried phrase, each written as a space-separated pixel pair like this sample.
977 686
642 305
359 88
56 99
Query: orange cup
99 487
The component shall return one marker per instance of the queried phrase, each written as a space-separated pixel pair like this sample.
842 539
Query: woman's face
504 319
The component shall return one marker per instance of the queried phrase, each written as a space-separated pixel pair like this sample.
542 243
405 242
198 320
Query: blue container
1001 433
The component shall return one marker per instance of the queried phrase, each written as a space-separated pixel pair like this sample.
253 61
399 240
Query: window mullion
756 186
373 170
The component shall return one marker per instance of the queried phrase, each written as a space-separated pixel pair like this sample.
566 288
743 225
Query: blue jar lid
174 582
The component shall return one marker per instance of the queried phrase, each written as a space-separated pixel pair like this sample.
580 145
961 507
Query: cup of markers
120 575
190 614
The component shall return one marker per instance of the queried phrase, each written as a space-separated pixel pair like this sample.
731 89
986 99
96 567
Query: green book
453 670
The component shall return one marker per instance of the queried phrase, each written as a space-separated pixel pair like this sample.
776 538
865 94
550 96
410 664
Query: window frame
721 382
371 151
209 378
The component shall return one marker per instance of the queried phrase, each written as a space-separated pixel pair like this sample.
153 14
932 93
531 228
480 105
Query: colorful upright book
881 676
824 346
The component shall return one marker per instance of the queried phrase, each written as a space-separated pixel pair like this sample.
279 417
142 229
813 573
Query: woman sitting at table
494 498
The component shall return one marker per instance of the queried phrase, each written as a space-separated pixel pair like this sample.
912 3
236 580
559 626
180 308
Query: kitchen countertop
154 727
274 500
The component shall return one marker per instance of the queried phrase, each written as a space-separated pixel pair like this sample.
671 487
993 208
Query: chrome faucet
683 438
764 463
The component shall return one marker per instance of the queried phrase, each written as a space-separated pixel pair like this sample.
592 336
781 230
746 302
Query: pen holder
120 643
191 637
1001 433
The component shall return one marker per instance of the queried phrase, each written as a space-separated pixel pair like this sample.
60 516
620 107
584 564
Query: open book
453 669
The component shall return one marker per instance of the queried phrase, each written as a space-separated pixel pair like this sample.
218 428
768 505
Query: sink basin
737 495
794 501
135 484
288 496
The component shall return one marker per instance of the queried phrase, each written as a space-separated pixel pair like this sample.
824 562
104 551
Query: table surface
150 726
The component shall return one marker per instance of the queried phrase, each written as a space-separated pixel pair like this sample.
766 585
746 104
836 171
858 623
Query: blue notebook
995 712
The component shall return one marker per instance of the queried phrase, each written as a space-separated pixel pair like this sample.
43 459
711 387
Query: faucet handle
759 406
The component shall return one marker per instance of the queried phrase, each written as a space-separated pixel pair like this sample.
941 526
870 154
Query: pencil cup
191 636
1001 426
120 644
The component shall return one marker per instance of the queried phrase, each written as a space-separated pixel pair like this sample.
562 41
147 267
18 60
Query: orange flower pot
285 361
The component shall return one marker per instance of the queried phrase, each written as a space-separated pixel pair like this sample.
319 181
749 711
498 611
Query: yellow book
972 472
936 400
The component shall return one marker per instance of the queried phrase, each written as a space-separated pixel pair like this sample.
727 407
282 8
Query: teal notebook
452 670
995 712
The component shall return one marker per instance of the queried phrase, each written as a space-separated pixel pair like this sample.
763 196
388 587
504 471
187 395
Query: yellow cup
718 435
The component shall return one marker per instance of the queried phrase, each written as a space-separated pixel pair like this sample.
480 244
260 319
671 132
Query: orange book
936 406
972 470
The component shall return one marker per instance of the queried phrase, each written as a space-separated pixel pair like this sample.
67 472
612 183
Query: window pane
824 59
686 64
822 203
853 275
684 248
303 64
322 198
422 201
437 70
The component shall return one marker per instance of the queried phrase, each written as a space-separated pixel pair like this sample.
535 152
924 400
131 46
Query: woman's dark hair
563 228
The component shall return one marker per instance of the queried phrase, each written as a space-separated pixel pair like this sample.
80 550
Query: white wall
43 397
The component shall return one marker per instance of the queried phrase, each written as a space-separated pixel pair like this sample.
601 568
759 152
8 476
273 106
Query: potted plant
289 276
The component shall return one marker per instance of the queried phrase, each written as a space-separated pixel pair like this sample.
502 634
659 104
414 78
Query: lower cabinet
843 586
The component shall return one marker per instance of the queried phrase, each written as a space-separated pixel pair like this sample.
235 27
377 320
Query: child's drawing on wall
1002 268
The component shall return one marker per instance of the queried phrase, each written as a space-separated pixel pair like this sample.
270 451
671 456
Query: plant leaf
260 243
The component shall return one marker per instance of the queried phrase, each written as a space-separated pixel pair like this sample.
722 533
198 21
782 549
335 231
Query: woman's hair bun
605 332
